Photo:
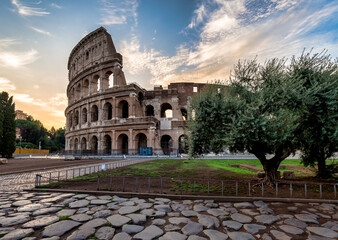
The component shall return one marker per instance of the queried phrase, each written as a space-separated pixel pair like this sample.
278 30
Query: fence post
262 189
98 183
222 188
123 183
50 177
36 180
136 184
249 189
305 189
161 185
148 184
181 187
194 185
334 190
236 188
290 190
59 176
320 190
66 174
276 189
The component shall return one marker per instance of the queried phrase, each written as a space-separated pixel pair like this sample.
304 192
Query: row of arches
81 144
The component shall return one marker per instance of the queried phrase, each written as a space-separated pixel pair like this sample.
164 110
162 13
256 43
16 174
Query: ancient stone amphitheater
105 115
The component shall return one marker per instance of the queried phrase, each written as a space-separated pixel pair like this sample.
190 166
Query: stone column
131 145
114 110
114 143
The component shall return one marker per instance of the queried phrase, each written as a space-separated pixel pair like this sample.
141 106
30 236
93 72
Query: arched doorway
141 141
84 116
85 87
76 144
150 111
107 111
182 144
166 110
123 109
166 144
122 142
76 117
94 145
83 144
94 113
107 145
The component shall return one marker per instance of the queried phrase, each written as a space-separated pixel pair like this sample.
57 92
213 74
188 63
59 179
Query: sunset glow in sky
161 41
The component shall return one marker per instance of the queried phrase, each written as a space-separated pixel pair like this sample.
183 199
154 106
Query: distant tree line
271 110
33 132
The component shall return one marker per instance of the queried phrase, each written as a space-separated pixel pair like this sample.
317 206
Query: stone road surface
33 215
20 181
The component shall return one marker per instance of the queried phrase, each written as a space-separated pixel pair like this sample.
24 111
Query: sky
162 41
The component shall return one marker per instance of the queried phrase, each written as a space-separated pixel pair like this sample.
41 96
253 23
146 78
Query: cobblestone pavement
20 181
34 215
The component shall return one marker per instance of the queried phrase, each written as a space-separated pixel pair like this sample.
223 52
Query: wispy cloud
282 28
41 31
198 17
54 5
118 12
6 85
28 10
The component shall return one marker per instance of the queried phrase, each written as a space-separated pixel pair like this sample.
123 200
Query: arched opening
110 79
73 95
107 111
84 116
123 109
96 83
94 113
166 110
83 144
107 144
122 142
85 87
76 144
141 141
78 92
140 97
182 144
70 120
184 114
166 144
76 117
94 145
150 111
71 144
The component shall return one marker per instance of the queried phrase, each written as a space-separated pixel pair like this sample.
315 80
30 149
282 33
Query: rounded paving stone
179 220
99 202
325 232
102 214
11 221
280 235
41 222
17 234
291 229
158 222
243 205
137 218
118 220
128 209
192 228
241 218
215 235
266 219
189 213
149 233
307 218
30 207
195 237
217 212
295 222
79 204
232 224
104 233
59 228
208 221
173 236
81 234
163 208
97 222
81 217
240 236
130 229
253 228
122 236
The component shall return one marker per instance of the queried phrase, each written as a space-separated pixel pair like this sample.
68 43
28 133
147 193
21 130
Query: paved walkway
20 181
55 216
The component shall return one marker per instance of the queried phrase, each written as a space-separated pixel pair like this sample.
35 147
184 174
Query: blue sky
162 41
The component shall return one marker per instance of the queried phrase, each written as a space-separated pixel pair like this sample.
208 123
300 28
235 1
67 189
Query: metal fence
191 186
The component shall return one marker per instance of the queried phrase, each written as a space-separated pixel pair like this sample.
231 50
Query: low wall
30 151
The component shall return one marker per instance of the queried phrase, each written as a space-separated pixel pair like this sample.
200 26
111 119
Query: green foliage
7 125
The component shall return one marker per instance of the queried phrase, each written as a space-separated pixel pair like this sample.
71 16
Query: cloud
282 28
29 11
198 17
41 31
54 5
118 12
6 85
15 59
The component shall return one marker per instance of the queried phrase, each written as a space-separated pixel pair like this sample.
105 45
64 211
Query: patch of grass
53 184
108 224
92 236
61 218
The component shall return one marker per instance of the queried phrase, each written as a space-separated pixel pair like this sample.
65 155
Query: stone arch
95 83
94 144
83 144
150 111
85 87
182 144
166 144
122 143
76 117
166 110
84 116
94 113
184 113
78 92
73 94
141 141
109 76
71 144
107 144
76 144
70 120
123 108
107 111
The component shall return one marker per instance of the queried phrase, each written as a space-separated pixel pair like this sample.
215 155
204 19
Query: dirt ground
18 165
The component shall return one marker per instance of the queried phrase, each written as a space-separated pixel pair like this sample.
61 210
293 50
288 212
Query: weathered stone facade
107 116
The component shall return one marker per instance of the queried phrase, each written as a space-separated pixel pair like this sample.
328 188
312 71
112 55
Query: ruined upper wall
94 49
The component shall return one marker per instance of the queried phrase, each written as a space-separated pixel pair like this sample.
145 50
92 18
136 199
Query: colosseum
105 115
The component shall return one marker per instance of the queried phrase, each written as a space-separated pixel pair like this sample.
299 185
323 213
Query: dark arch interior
107 144
124 106
141 139
166 144
95 113
123 143
150 111
94 144
108 111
